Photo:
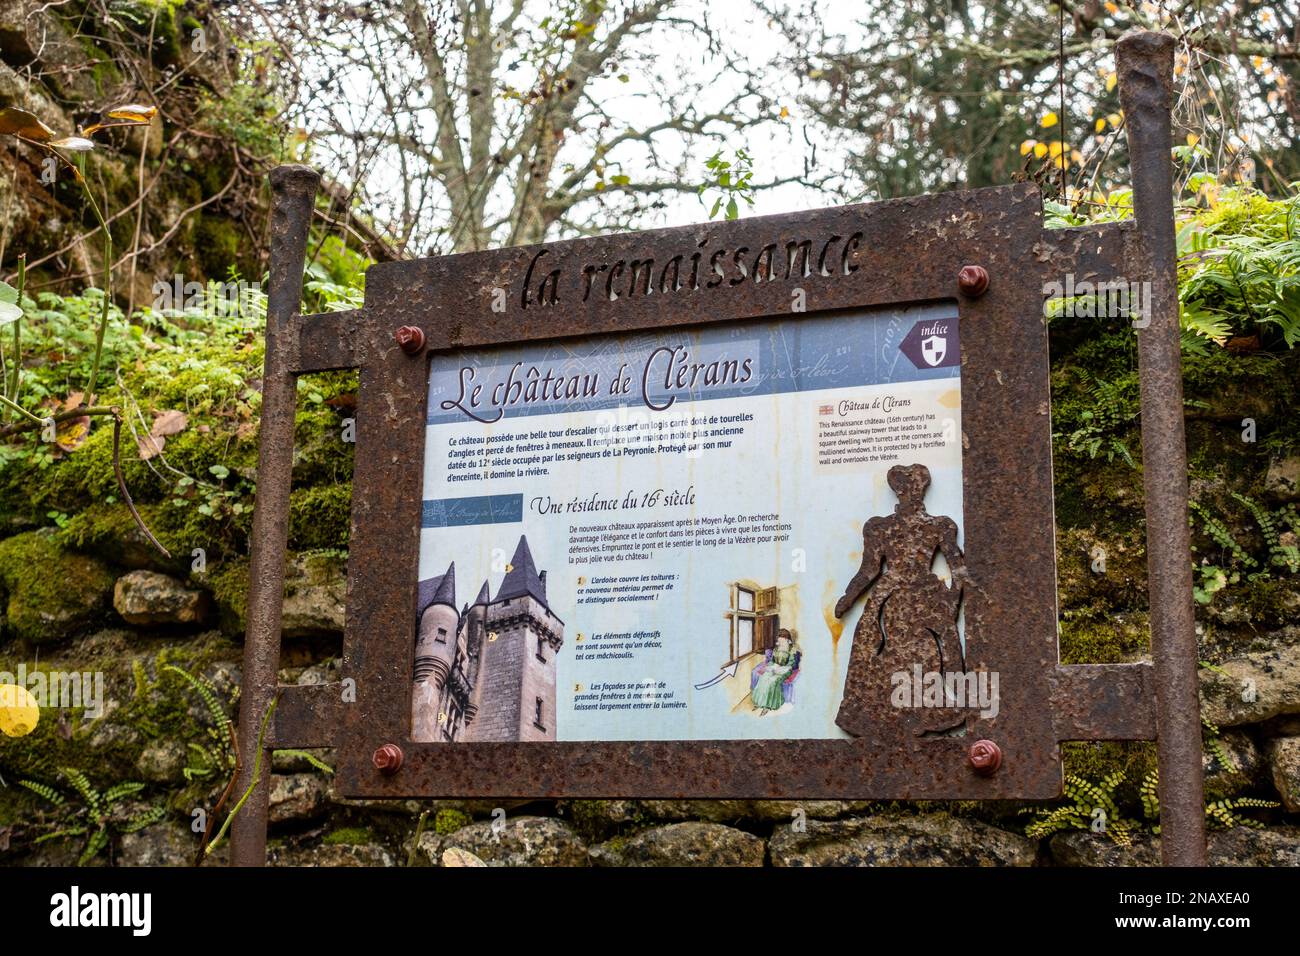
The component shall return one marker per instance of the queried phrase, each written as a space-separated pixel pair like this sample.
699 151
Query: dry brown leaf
150 446
71 434
169 423
18 122
455 856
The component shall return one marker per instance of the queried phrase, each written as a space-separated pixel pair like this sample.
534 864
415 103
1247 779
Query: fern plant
217 756
1113 410
1234 562
1219 814
1242 258
100 816
1091 806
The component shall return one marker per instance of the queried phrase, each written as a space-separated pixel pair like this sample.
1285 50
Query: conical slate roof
439 590
484 596
522 578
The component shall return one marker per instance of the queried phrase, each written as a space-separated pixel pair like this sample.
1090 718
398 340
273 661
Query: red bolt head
985 757
973 281
388 759
410 338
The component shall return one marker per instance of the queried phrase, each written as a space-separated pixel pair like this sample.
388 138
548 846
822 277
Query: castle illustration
487 671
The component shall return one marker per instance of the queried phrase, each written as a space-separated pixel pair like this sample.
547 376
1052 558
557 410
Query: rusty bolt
973 281
388 759
985 757
410 338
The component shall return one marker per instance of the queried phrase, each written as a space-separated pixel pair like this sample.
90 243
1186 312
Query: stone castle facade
487 672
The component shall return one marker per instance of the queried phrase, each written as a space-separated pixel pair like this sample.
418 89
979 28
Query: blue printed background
788 356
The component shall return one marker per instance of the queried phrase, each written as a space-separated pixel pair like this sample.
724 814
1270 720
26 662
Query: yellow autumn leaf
1101 124
1062 162
1076 157
1040 150
1049 120
1192 139
133 113
1026 146
1111 80
19 713
1257 61
1114 119
1111 8
16 122
1057 148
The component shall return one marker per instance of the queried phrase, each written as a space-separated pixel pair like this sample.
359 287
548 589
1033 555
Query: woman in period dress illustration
769 692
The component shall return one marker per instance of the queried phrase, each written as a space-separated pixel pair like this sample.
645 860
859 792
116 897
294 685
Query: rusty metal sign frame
881 254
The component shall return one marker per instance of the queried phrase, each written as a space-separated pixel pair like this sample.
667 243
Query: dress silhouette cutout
910 616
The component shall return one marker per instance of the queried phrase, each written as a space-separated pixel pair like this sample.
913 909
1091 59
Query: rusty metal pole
293 198
1146 66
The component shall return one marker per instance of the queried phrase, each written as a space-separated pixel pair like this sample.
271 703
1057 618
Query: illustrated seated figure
772 682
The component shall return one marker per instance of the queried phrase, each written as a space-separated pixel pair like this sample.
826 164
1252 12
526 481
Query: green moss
218 243
348 836
449 820
320 517
142 703
109 530
616 843
51 593
1116 639
1101 571
1094 760
229 585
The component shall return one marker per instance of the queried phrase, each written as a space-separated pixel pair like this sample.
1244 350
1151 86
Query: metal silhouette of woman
911 615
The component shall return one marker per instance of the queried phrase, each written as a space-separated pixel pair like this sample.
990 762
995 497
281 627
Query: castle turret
516 681
435 652
475 639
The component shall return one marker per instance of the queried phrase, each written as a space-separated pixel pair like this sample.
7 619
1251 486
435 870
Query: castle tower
475 640
515 685
435 653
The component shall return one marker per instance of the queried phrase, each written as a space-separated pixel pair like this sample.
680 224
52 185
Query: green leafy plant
1091 806
732 179
70 151
218 755
1111 412
1240 268
1235 562
1219 814
101 815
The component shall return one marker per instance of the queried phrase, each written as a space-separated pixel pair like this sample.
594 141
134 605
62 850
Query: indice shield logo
933 349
